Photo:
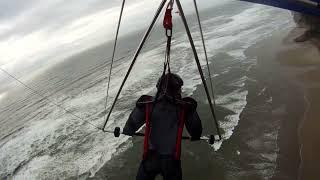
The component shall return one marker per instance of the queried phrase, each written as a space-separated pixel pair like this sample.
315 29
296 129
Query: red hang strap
180 131
147 131
167 21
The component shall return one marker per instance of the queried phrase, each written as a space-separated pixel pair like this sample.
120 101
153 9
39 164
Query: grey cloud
12 8
29 16
32 15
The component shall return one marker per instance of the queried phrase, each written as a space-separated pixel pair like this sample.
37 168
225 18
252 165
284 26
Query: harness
167 24
148 110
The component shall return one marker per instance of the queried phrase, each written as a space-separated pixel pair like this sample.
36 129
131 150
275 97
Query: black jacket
164 122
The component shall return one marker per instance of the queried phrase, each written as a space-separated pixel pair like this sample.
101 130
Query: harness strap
167 24
180 131
167 21
177 153
147 132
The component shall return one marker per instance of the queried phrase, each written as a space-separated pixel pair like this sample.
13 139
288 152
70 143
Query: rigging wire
48 99
199 67
206 57
113 55
205 50
144 39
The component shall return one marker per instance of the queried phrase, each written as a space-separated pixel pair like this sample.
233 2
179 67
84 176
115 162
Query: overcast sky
33 29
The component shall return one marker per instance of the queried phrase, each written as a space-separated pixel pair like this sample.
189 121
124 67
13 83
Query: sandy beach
287 103
294 79
306 58
292 71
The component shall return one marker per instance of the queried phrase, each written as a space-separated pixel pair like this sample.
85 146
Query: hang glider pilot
165 116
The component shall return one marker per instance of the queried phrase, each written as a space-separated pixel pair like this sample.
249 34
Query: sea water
41 141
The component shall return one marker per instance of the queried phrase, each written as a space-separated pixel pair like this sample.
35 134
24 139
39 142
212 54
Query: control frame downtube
198 65
146 35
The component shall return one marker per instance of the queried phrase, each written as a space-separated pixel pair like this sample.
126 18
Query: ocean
39 140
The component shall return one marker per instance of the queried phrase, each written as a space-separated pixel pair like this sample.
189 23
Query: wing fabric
311 7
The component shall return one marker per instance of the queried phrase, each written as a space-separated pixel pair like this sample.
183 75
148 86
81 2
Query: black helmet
170 84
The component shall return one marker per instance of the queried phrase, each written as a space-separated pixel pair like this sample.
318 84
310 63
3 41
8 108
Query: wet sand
288 104
295 82
306 58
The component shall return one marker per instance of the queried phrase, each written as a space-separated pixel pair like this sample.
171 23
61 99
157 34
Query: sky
47 31
34 29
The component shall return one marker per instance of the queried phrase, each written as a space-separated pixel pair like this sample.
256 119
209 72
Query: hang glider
311 7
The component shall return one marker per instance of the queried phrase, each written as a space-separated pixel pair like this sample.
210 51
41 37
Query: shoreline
299 134
305 59
288 105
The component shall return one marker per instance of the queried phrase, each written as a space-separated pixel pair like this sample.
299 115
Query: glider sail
311 7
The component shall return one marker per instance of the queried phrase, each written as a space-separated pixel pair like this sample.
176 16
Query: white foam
239 82
231 100
217 145
226 70
269 100
19 149
244 31
42 135
238 152
237 54
253 63
34 167
236 102
262 91
215 19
